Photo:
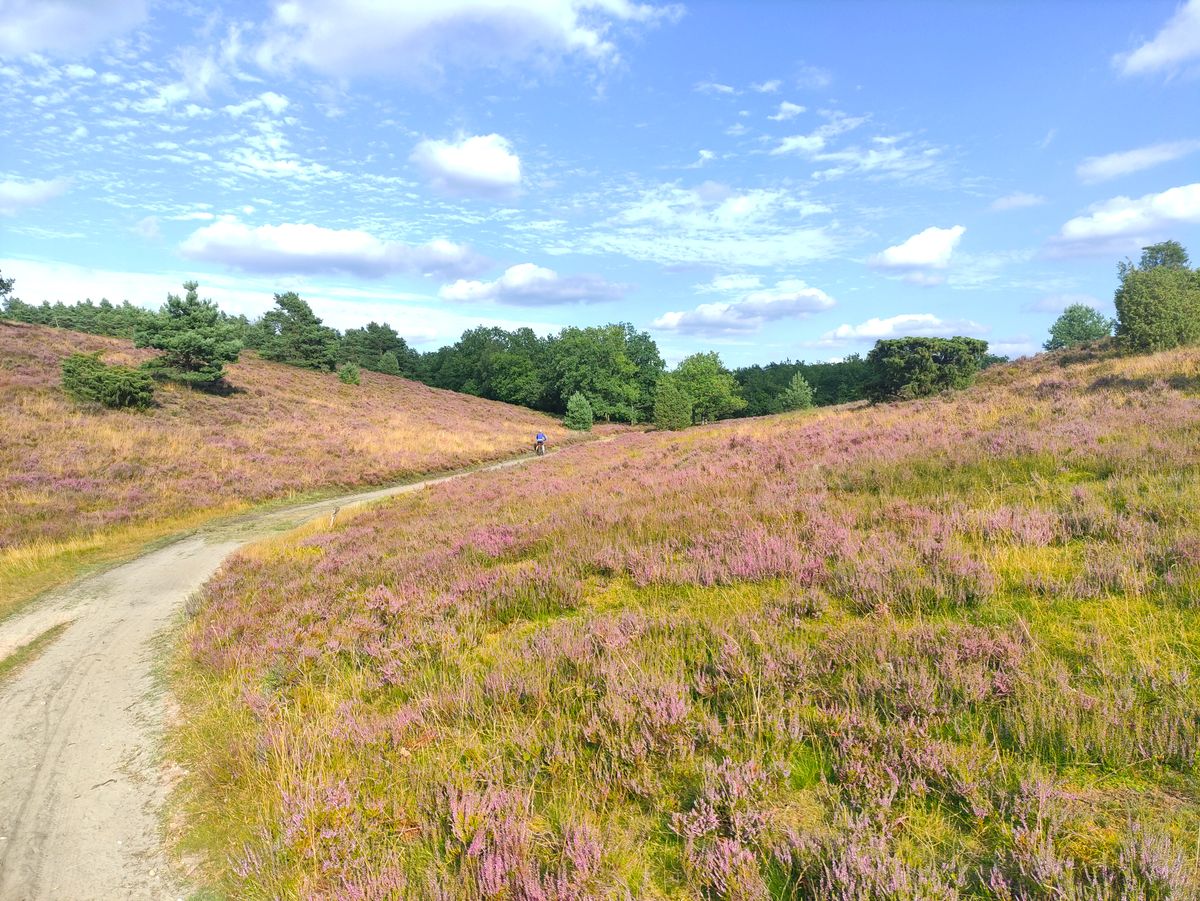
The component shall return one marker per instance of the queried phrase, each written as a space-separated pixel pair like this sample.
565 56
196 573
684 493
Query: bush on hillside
1078 324
906 368
88 380
579 413
672 405
349 373
797 396
714 391
1158 301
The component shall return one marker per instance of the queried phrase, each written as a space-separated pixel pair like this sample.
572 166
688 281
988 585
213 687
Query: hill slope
936 650
67 473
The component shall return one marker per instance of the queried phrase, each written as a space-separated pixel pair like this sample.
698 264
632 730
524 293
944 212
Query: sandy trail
81 779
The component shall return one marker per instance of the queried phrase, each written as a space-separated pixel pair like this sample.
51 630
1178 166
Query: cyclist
539 446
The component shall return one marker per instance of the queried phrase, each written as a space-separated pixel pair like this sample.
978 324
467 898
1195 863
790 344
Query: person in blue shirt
539 446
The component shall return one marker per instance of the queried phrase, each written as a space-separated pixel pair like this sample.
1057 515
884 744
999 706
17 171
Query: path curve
81 777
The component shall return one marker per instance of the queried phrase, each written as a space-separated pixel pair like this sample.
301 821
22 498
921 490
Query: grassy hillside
936 650
74 479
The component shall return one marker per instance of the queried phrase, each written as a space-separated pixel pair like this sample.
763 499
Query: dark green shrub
349 373
195 338
389 364
89 380
579 413
904 368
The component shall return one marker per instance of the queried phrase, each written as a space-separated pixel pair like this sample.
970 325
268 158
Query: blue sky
769 179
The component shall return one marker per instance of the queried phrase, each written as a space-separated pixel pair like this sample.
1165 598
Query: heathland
76 481
939 649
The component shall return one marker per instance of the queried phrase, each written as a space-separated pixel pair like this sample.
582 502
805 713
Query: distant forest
615 366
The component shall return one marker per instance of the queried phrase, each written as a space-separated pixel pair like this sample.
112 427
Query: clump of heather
948 650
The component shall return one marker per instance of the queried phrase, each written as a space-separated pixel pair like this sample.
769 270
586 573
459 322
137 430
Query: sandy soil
82 782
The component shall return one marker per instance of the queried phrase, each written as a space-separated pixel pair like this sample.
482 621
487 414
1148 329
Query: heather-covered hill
68 472
942 649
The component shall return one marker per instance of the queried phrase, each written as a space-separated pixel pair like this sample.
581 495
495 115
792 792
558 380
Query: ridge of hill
74 480
942 649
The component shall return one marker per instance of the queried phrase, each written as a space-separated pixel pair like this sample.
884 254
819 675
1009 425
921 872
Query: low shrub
87 379
349 374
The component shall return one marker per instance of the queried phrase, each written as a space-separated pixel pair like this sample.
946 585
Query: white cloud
704 157
1112 165
1122 222
712 224
812 143
930 249
813 77
788 299
1017 201
269 101
65 27
483 165
81 73
786 111
712 87
904 325
304 248
423 40
16 196
1056 303
1176 44
767 87
529 285
147 228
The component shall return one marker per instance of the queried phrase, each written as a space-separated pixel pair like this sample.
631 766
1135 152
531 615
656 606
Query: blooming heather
946 649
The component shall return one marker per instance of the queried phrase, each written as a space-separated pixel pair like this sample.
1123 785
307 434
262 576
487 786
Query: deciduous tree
1078 324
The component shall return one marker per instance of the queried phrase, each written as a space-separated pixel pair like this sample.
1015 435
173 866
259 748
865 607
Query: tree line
612 372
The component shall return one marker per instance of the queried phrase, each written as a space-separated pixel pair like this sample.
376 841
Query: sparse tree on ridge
1170 254
292 333
1078 324
906 368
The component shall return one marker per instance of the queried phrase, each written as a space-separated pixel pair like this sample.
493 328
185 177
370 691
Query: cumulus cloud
1123 222
16 196
423 40
64 27
306 249
788 299
930 249
713 87
1176 44
482 166
787 111
529 285
1112 165
1017 201
767 87
904 325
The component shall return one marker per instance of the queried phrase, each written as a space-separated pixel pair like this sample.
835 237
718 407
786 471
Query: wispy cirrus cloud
1017 201
1176 45
1112 165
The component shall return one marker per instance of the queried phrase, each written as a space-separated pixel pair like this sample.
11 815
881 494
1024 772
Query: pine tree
672 405
579 413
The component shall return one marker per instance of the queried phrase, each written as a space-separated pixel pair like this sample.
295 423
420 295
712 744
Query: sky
772 180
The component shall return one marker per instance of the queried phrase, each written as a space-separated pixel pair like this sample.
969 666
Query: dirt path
81 782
